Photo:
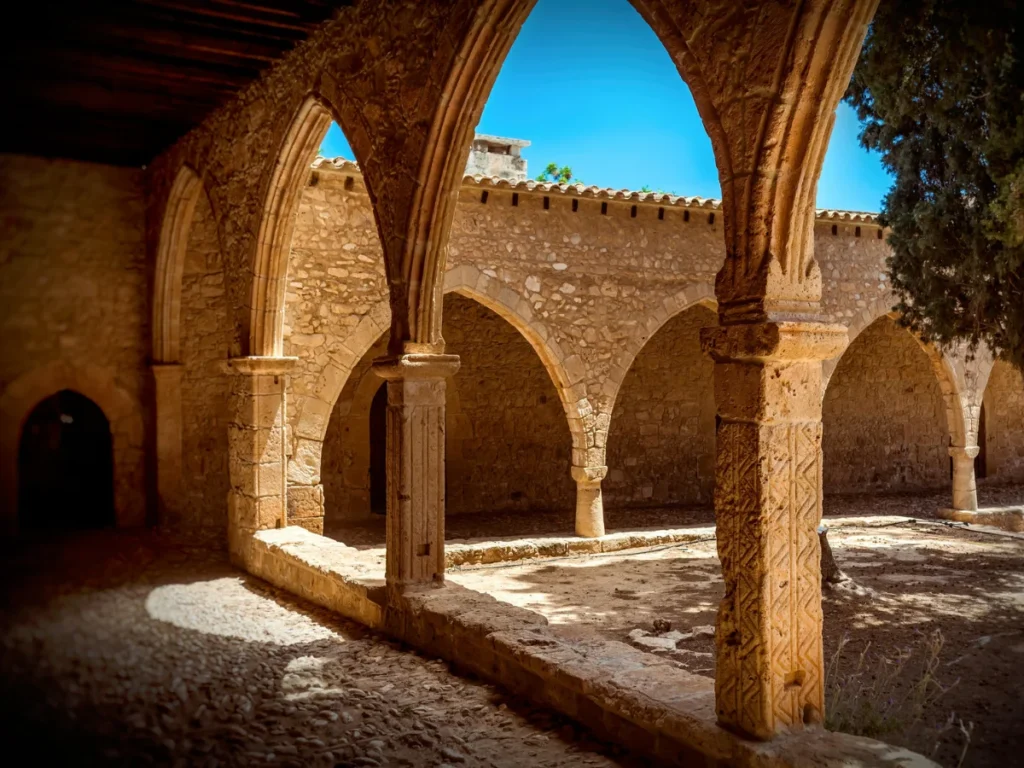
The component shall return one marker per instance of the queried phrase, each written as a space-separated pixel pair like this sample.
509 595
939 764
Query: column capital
589 474
774 341
964 451
260 366
420 366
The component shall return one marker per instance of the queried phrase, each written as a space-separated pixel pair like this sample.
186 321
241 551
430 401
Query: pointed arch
170 264
567 372
950 375
698 293
273 243
417 284
122 410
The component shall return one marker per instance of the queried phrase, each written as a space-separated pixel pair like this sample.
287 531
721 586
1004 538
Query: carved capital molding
774 341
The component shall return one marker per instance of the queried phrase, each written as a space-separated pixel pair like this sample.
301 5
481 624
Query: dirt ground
914 579
129 649
486 525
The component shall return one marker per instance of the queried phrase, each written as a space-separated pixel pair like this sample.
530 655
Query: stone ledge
634 698
321 570
1007 518
459 552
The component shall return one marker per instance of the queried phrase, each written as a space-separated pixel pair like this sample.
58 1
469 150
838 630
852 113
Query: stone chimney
498 157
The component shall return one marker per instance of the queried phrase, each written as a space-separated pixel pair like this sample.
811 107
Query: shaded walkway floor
490 525
131 649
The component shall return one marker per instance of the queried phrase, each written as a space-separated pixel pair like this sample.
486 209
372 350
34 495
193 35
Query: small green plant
558 175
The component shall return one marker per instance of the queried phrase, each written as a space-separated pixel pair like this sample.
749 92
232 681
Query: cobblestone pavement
129 649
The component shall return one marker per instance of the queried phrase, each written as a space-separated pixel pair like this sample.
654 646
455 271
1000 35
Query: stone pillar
415 465
589 502
169 459
770 671
256 449
965 488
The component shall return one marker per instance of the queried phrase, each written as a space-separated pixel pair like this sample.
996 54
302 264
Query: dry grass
884 695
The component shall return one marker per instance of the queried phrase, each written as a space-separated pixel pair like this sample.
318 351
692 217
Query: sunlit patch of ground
913 579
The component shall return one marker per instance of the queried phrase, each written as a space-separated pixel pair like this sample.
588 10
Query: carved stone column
965 488
415 465
256 449
169 459
589 502
770 672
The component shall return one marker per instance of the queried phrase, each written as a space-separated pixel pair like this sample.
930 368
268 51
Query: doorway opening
66 466
378 451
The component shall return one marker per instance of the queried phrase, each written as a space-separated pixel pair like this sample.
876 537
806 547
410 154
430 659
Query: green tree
558 175
940 88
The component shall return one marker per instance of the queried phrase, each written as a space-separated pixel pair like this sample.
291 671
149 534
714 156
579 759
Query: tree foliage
558 175
940 87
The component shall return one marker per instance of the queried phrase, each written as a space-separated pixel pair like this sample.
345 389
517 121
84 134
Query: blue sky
591 86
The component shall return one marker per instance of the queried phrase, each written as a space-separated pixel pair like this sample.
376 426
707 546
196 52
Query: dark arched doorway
65 466
378 451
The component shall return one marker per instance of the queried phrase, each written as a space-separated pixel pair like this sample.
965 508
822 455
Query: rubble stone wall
207 338
74 301
1004 424
883 416
661 445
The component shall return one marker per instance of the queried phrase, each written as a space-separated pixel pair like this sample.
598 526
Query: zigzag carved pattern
769 640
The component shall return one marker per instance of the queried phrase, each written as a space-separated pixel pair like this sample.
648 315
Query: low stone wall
633 698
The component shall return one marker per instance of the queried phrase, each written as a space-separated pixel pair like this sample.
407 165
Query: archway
378 452
1004 424
65 466
884 416
661 442
508 445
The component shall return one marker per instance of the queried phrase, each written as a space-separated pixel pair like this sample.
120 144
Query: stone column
256 449
415 465
770 671
169 459
965 488
589 502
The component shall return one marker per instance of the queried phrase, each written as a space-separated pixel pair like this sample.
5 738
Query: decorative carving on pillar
770 671
256 455
589 502
167 391
965 487
415 465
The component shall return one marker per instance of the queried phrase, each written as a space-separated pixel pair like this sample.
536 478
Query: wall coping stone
635 698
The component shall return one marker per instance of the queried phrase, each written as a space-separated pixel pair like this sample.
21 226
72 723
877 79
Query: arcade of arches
233 308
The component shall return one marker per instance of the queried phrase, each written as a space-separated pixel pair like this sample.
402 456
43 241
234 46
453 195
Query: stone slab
635 698
1007 518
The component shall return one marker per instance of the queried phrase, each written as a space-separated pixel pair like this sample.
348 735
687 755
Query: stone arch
567 372
273 242
126 425
950 374
698 293
920 444
662 432
1004 409
170 263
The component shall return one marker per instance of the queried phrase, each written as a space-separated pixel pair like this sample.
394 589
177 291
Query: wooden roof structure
118 81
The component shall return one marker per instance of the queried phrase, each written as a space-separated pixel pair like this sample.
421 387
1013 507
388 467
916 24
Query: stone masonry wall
73 298
661 445
508 445
207 338
883 416
1004 424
